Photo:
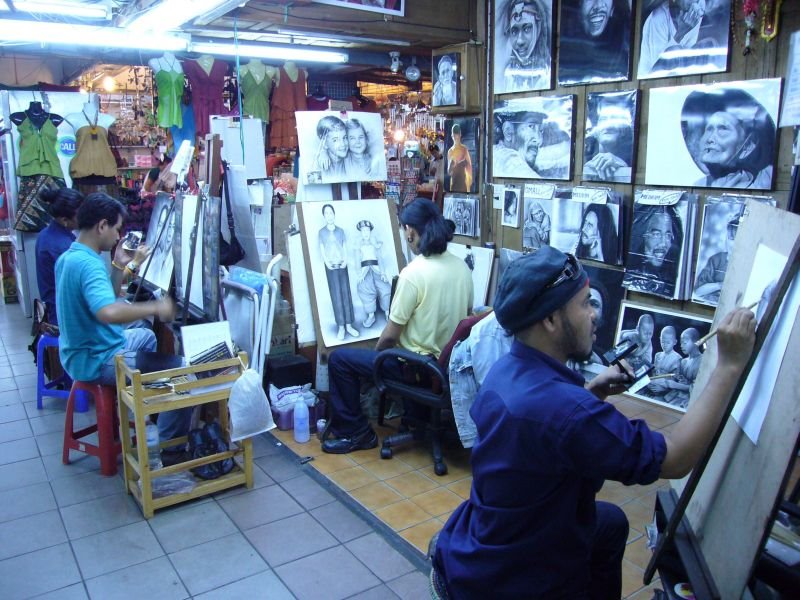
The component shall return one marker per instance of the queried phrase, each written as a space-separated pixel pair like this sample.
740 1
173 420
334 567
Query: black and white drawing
533 137
721 221
684 37
479 260
446 79
717 135
523 45
338 147
352 254
666 342
462 143
763 281
582 221
609 146
606 292
157 268
595 41
656 260
511 199
463 211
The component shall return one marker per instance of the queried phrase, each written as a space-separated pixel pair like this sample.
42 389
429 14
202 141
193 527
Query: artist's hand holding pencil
736 336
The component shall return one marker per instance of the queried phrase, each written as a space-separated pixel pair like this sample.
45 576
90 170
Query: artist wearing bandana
527 30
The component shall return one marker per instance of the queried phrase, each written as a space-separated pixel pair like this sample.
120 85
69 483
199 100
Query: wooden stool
107 425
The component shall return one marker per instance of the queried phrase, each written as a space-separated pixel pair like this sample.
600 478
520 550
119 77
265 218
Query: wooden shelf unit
143 401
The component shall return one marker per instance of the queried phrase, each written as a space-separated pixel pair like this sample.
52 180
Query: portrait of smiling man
595 42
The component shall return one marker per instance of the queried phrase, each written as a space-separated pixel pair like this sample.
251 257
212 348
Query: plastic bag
284 398
177 483
248 407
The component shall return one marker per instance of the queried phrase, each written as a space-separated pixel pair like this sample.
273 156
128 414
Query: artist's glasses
570 272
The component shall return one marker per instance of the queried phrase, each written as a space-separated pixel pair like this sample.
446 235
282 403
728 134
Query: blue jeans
347 368
171 424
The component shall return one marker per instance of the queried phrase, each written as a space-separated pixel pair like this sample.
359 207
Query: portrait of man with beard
595 41
516 157
656 250
523 45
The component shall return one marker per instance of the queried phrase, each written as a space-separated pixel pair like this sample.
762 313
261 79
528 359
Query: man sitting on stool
545 446
90 316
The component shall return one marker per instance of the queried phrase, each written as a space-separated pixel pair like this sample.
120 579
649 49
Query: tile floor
69 533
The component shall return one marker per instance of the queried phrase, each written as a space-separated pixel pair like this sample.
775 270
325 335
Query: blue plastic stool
49 389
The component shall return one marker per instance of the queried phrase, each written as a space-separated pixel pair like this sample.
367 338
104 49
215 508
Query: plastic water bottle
301 427
153 448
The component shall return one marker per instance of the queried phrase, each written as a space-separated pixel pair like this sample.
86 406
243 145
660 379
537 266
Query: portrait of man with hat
523 45
720 225
546 442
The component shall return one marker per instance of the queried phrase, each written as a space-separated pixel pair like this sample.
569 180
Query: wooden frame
469 78
143 401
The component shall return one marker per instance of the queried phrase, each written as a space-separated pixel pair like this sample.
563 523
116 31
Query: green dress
256 96
37 149
170 92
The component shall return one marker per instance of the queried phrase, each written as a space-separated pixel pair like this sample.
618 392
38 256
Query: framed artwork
666 342
585 222
609 144
352 253
595 41
662 236
208 236
511 200
186 207
533 137
337 147
446 71
702 47
606 294
388 7
464 212
158 267
717 135
523 45
479 260
461 155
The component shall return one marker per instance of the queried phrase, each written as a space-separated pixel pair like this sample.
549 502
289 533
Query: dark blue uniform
52 242
545 445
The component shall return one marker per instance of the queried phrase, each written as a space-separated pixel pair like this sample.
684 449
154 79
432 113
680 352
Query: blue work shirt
543 449
83 287
52 242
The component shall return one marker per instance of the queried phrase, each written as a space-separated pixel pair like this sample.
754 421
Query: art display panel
337 147
701 47
533 137
158 267
479 260
464 211
594 41
523 45
609 145
666 342
462 155
351 255
717 135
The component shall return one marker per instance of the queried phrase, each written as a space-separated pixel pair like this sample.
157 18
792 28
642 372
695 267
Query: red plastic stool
107 426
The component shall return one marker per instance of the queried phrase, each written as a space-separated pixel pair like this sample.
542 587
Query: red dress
206 92
288 97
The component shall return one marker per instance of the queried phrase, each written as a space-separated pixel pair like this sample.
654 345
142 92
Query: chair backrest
461 333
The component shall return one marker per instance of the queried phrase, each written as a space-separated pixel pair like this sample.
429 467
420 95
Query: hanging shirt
93 155
37 149
206 92
256 96
170 92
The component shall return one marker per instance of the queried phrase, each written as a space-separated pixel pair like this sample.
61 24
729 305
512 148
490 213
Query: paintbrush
699 343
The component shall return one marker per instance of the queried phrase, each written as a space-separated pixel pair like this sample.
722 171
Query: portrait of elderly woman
595 42
731 137
598 235
716 135
608 147
684 37
656 249
523 45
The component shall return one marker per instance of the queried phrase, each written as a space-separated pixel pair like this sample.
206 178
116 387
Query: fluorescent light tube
269 52
340 38
171 14
68 9
86 35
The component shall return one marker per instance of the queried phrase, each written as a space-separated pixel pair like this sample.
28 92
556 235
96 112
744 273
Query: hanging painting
157 268
463 211
446 79
523 45
609 145
462 144
718 135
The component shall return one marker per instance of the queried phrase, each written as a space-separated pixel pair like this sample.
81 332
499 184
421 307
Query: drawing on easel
157 268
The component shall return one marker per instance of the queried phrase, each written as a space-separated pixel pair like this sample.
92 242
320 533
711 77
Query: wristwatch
132 266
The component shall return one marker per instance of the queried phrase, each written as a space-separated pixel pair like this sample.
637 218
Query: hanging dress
256 96
37 149
93 168
206 92
170 92
289 97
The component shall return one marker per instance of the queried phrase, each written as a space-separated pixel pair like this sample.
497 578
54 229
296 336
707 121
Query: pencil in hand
702 341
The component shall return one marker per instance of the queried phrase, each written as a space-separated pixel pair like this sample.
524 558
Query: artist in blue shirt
54 240
545 444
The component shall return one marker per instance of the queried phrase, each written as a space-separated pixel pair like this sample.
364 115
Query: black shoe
343 445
